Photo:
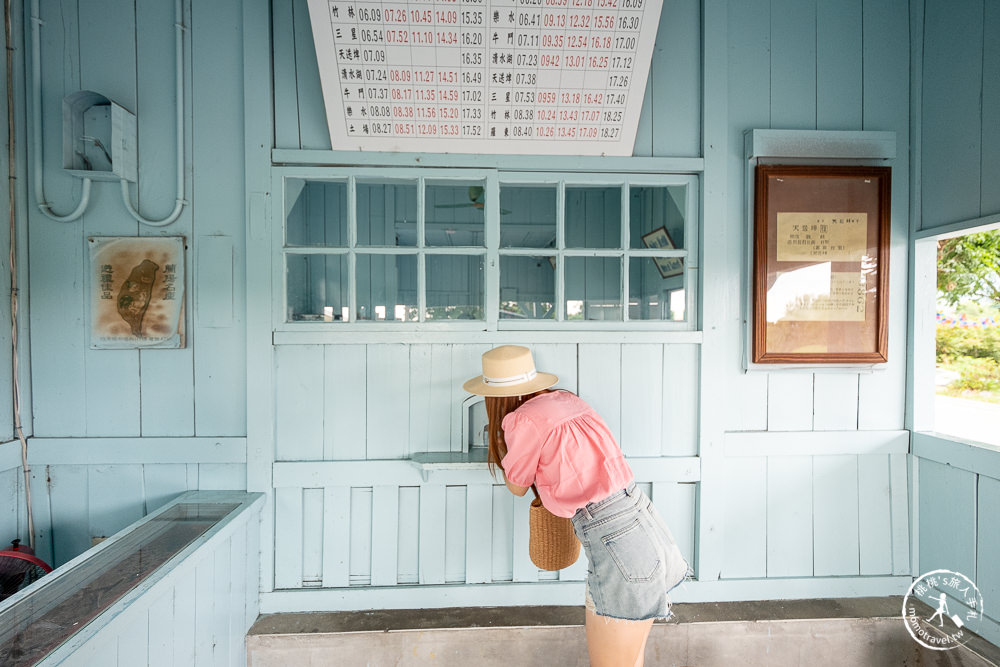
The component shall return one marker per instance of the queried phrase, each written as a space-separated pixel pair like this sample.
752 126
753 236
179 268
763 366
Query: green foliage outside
969 283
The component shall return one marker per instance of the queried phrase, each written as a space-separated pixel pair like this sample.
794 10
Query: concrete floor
841 632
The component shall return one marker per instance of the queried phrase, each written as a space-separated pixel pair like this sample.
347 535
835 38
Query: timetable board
562 77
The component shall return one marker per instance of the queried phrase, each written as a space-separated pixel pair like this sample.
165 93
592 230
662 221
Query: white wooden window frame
493 179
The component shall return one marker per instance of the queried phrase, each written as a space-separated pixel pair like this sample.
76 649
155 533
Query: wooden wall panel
288 532
432 533
680 400
345 429
790 402
946 515
408 536
313 512
875 514
336 536
951 112
599 382
793 64
835 507
217 189
503 534
677 121
790 516
361 536
745 522
431 388
835 402
990 161
299 412
987 541
56 251
642 399
838 64
455 534
388 406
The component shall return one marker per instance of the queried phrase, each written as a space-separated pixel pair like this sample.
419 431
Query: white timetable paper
562 77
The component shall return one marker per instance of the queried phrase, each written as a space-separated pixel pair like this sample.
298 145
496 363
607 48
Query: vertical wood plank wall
109 401
814 469
958 489
960 112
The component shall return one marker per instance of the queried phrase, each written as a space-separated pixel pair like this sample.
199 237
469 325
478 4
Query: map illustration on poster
562 77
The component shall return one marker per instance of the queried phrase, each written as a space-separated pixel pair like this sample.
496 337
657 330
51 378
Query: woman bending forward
555 441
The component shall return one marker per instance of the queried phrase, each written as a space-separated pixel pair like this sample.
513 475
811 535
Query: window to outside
398 246
967 371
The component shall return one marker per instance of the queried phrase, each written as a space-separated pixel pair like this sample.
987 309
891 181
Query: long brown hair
498 407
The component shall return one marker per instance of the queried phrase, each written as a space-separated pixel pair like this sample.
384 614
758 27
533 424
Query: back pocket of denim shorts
634 552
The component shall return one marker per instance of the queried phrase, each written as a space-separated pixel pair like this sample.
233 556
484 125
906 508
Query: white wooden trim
815 443
960 228
100 451
922 326
533 163
313 334
570 593
258 95
714 289
403 472
975 457
821 143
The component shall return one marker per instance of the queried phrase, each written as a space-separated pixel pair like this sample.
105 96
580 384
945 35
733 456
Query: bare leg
615 643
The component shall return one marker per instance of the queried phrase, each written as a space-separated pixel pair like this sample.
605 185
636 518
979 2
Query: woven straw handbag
552 544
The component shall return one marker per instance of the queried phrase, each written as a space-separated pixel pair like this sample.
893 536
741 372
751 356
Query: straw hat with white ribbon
509 370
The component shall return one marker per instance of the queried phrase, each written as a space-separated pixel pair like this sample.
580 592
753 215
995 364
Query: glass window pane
387 288
316 213
455 287
593 288
527 288
454 214
651 296
527 216
593 217
387 214
317 287
655 208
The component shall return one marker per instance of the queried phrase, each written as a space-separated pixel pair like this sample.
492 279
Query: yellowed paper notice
817 295
822 237
137 292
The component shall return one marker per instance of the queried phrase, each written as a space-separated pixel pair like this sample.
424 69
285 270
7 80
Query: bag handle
535 491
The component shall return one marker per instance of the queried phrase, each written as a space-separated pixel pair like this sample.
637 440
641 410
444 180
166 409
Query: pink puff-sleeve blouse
559 443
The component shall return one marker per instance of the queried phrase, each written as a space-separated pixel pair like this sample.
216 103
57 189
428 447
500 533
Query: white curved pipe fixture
36 80
36 135
179 82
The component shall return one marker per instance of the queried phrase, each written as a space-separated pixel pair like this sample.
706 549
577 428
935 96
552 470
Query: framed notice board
821 264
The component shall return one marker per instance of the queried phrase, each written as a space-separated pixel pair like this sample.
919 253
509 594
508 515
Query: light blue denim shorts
633 561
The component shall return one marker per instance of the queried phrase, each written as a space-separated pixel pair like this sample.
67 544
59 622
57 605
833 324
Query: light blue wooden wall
108 404
803 474
813 455
957 497
957 487
959 112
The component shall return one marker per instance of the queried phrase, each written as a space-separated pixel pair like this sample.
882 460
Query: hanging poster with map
563 77
136 292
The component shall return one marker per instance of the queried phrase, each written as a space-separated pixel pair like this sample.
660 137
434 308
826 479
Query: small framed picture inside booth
821 264
667 266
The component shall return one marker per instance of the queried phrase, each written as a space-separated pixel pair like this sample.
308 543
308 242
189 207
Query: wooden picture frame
667 266
821 264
